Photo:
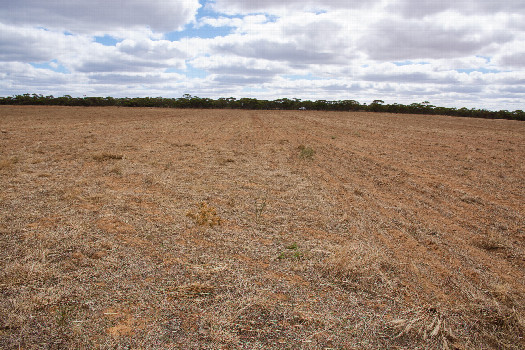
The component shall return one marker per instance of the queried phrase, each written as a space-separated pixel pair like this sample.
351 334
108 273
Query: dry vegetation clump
498 325
306 152
427 323
104 156
7 163
194 290
362 265
205 215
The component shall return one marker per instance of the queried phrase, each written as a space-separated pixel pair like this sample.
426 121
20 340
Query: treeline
188 101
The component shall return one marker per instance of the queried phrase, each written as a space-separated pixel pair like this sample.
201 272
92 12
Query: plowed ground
209 229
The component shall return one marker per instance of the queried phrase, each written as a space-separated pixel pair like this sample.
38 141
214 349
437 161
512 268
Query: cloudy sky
450 52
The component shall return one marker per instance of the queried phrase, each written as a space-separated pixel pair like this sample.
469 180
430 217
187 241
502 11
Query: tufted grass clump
306 152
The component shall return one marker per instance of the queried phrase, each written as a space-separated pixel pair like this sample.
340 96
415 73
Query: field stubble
157 228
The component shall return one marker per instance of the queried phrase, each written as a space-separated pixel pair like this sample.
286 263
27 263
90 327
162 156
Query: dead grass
362 265
194 290
204 215
101 157
7 163
499 326
188 229
428 324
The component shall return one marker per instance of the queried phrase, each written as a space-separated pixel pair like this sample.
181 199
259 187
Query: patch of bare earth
222 229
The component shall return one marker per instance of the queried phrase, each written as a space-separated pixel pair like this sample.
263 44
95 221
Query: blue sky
453 53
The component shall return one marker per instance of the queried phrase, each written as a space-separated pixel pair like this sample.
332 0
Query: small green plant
292 253
292 246
205 215
298 255
306 152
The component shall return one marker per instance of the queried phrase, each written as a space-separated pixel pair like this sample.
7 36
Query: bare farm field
137 228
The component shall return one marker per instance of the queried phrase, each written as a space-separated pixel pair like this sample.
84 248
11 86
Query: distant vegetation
188 101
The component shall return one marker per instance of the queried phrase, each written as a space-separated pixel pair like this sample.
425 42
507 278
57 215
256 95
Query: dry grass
306 152
362 265
384 232
7 163
428 324
204 215
101 157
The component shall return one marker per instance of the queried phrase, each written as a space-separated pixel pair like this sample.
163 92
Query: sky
454 53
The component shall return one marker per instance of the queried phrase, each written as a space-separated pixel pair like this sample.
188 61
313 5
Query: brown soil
209 229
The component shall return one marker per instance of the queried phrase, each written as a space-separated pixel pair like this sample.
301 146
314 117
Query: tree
376 106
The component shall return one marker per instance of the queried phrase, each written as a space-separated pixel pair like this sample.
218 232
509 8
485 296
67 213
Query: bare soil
222 229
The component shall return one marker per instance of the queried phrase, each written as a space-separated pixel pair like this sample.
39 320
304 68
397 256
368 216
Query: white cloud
291 52
26 44
153 79
273 6
24 78
239 66
299 39
419 8
435 37
514 60
100 16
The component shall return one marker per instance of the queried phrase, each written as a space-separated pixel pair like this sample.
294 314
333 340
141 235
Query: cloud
277 51
131 56
81 54
308 35
25 44
100 16
118 65
24 78
157 50
398 39
252 6
420 8
415 77
239 66
513 89
240 79
514 60
134 79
